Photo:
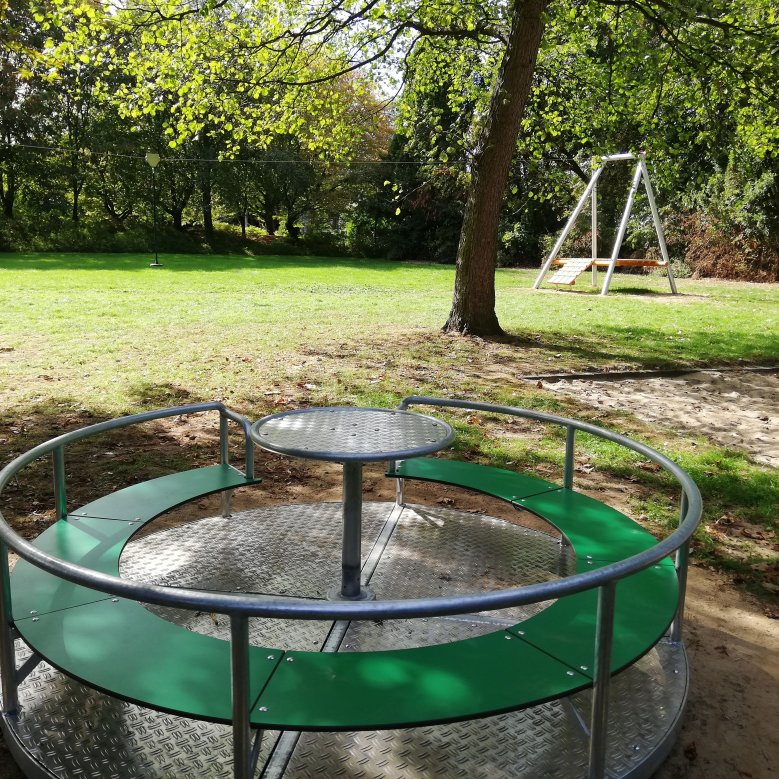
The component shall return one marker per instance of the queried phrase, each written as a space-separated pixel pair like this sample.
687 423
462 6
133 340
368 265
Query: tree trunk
208 216
473 303
177 217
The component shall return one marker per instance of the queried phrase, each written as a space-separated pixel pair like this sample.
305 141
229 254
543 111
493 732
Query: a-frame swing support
591 192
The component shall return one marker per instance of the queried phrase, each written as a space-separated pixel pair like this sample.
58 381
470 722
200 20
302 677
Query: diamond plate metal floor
65 730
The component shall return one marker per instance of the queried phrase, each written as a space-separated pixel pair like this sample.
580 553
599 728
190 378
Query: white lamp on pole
152 160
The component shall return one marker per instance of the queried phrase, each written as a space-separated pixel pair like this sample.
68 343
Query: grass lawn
90 337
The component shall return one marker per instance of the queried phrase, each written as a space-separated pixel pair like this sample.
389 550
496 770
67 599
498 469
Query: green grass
88 337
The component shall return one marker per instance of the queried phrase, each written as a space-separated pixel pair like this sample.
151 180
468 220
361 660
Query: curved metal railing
239 607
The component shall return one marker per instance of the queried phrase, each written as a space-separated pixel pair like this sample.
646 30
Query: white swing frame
591 192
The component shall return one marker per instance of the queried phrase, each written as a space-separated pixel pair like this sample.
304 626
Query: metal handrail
300 608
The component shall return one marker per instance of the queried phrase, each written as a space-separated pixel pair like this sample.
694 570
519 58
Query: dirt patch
738 409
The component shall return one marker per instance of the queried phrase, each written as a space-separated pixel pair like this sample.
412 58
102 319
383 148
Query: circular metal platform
67 730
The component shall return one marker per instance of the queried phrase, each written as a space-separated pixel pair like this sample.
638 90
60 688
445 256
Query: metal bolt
583 667
33 612
569 673
137 519
290 659
271 657
114 600
263 708
35 619
521 632
508 638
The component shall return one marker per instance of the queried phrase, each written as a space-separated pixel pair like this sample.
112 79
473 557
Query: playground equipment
573 267
116 659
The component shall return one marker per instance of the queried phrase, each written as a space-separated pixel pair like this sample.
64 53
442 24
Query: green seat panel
408 687
501 483
149 499
645 607
93 543
594 529
123 649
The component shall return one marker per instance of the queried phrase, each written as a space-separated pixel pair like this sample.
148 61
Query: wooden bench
118 646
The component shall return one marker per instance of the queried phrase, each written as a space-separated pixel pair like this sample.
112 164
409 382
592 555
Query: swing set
570 268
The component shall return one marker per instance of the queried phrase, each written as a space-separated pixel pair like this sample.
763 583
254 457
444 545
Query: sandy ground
730 728
737 409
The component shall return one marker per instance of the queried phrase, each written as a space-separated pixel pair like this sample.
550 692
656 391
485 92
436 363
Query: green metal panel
645 606
93 543
507 485
148 499
125 650
593 529
371 690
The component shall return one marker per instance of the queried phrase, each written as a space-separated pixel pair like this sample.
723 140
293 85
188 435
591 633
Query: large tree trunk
473 304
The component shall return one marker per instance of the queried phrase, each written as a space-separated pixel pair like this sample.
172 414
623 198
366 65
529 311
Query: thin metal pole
224 440
242 736
604 638
567 229
594 231
156 263
7 651
658 224
623 226
682 564
60 491
570 438
352 541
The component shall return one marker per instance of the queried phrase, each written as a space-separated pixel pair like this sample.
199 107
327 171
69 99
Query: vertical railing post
224 441
242 737
599 720
224 458
60 491
400 484
570 437
681 562
7 651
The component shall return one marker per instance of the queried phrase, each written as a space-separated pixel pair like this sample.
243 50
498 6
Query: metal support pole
7 651
224 440
400 485
682 561
594 231
242 736
604 638
249 458
352 542
60 493
623 226
658 224
570 438
567 229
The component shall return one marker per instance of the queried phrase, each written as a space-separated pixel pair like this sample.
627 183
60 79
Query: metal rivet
508 638
271 657
569 673
584 667
35 619
520 632
114 600
137 519
290 659
33 612
263 708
